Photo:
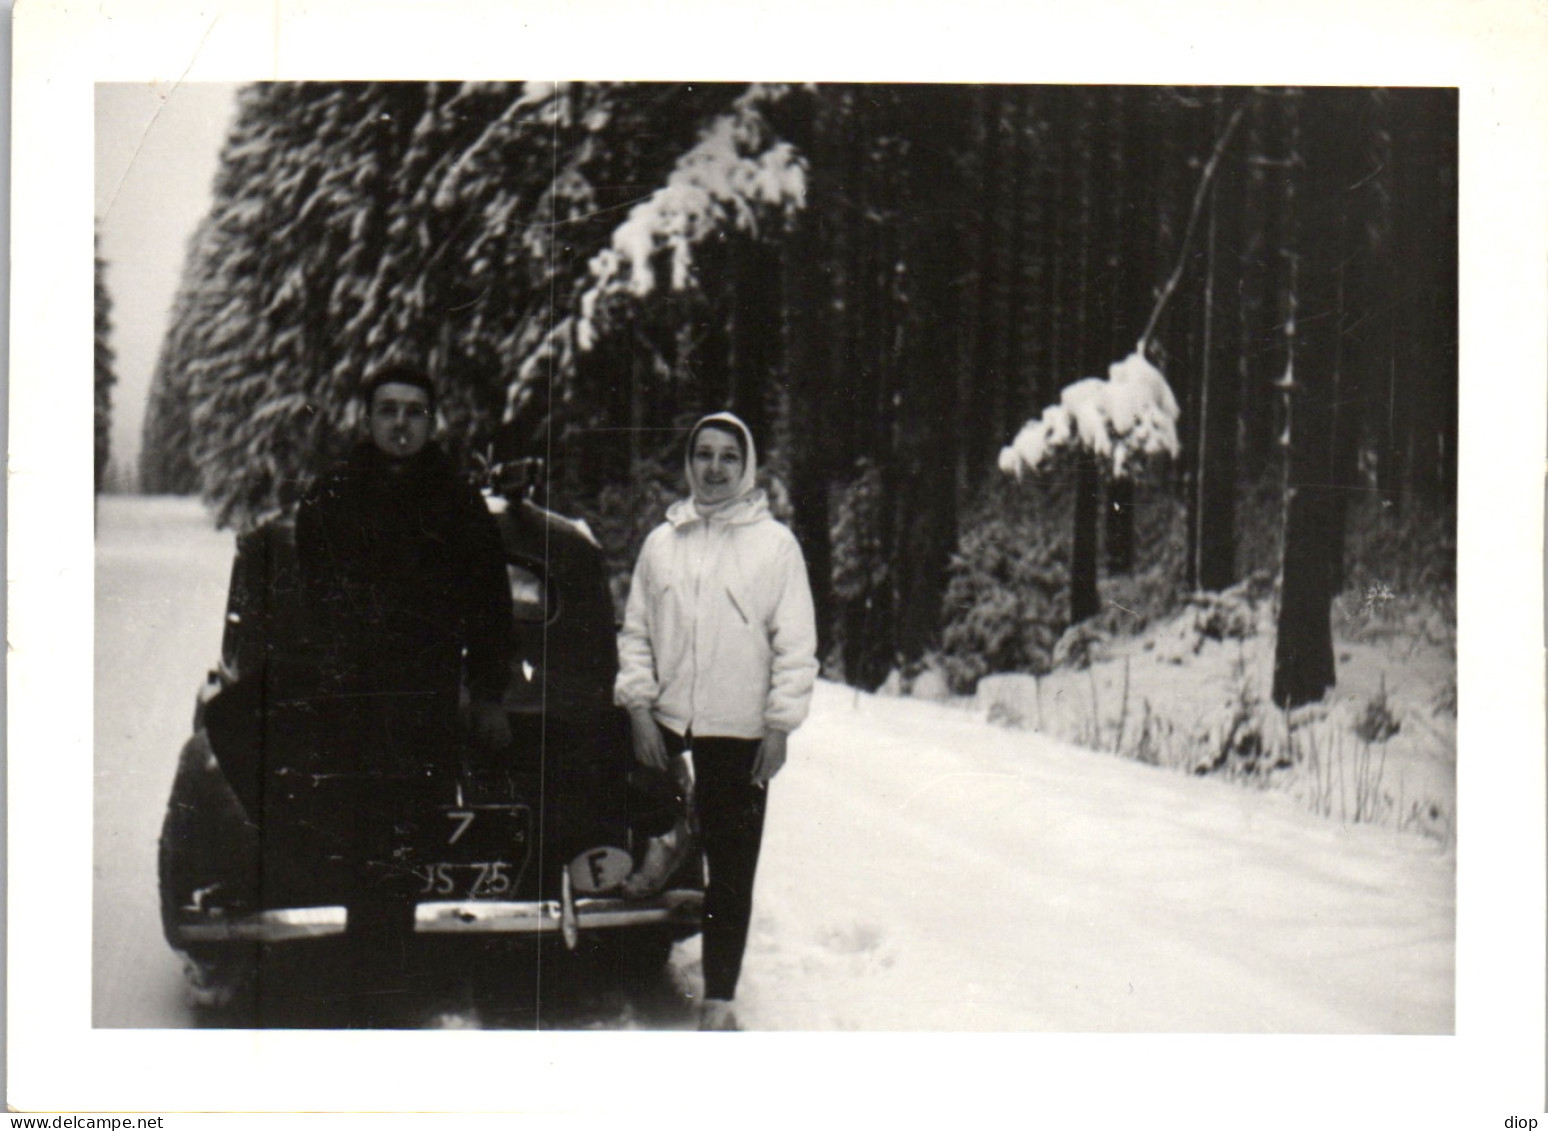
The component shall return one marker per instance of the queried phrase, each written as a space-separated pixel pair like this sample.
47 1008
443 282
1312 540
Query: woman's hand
649 746
771 756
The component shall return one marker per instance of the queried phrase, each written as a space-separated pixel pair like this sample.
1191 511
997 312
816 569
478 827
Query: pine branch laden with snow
737 178
1130 414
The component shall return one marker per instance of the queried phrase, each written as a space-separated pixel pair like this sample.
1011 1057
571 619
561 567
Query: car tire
206 844
222 979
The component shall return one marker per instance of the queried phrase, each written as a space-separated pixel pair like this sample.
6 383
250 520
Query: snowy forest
1022 361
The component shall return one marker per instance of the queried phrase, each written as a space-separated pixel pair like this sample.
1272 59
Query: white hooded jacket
719 635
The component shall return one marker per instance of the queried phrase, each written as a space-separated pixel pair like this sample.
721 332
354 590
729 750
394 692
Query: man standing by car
407 604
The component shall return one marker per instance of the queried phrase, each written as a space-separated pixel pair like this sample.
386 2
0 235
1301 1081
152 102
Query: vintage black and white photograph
779 557
1057 474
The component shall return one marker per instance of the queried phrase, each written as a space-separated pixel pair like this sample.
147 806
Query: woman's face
715 466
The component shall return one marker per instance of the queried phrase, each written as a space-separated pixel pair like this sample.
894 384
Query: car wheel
206 864
220 979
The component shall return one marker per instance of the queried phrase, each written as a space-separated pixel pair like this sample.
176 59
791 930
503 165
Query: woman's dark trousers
731 810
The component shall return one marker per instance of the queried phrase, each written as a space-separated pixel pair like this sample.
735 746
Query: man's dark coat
406 591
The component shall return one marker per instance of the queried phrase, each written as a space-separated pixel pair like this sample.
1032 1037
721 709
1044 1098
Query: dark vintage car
548 845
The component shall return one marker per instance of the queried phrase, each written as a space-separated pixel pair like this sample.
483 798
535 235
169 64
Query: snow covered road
161 574
923 869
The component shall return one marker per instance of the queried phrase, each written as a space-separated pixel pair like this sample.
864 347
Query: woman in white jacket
718 655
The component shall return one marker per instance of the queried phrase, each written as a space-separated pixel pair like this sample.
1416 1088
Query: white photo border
1493 50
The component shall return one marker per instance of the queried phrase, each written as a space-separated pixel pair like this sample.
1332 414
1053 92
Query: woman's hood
749 465
748 504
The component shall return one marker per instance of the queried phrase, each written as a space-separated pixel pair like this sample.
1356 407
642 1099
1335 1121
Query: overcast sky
156 151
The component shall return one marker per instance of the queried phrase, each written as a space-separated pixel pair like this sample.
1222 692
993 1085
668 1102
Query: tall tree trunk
852 394
705 366
1373 341
805 426
1261 363
808 349
1416 456
1439 108
1347 396
1168 335
1191 328
1064 251
1008 390
1120 525
1205 428
754 336
1218 413
1303 656
1107 316
1136 281
1407 330
1091 322
1098 257
1448 294
981 378
1090 327
1084 599
925 522
1037 387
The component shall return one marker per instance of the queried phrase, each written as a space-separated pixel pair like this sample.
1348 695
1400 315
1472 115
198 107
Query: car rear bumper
681 908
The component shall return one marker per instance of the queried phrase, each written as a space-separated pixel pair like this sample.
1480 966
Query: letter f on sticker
595 860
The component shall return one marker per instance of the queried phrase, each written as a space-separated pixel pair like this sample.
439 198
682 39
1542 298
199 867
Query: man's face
400 420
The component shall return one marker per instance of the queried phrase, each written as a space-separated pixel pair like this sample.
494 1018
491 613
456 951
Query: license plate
475 852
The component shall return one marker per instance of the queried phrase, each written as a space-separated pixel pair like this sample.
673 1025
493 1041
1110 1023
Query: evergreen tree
166 435
1111 428
104 378
357 224
880 278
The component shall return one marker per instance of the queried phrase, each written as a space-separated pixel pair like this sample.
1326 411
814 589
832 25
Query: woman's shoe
718 1016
